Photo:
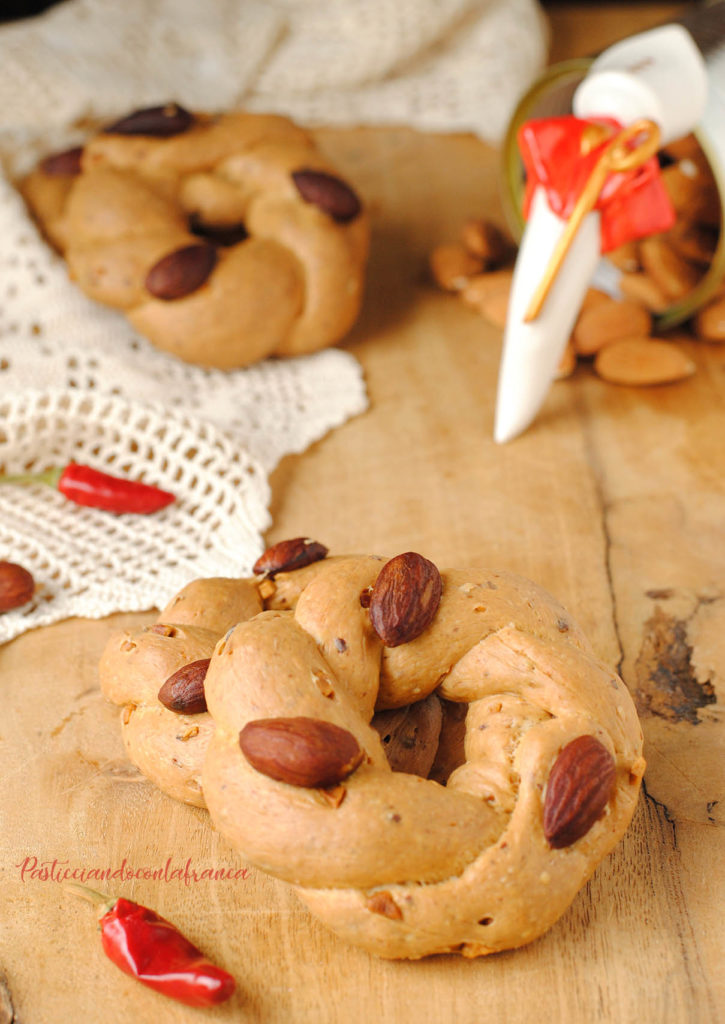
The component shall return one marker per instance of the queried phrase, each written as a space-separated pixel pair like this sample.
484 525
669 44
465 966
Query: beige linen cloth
76 383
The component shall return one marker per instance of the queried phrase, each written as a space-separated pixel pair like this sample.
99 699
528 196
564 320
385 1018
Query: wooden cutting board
615 501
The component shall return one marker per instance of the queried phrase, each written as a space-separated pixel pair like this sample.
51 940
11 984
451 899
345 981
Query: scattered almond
483 239
17 586
452 266
710 322
567 363
608 321
642 361
482 287
642 289
669 271
593 297
495 307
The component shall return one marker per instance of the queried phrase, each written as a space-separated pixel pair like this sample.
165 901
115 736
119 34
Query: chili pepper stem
99 899
50 477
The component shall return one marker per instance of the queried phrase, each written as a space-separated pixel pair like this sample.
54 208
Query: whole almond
410 735
710 322
643 361
580 786
159 122
593 297
606 322
301 751
405 598
567 363
484 239
183 692
452 266
288 555
495 306
181 272
329 193
671 272
17 586
67 163
643 290
480 289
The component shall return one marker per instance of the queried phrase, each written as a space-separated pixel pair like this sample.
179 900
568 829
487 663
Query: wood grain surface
614 500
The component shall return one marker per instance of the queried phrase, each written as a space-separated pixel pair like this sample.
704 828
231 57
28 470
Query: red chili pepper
151 949
87 486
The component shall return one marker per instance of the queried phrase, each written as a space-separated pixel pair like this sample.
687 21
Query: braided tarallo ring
483 859
223 239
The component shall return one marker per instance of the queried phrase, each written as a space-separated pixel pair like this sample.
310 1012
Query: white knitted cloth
77 383
446 65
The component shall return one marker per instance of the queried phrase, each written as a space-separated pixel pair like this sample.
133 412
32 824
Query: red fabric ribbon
632 204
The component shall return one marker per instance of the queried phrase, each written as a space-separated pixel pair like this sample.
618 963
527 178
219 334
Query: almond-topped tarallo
435 759
223 238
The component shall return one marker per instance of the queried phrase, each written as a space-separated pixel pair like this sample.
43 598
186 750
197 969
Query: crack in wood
661 812
598 476
666 876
